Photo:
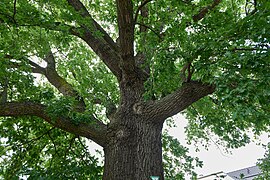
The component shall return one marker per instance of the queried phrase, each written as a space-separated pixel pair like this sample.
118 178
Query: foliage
177 163
264 164
229 48
42 152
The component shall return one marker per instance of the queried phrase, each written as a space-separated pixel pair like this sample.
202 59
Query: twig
189 68
249 49
150 29
55 149
70 145
85 148
14 10
39 137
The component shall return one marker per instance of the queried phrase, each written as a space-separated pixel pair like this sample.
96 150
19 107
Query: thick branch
36 68
205 10
50 59
53 77
81 9
108 55
60 83
126 34
95 130
103 46
174 103
57 81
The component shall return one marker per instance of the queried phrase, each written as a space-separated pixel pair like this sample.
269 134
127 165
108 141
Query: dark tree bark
133 150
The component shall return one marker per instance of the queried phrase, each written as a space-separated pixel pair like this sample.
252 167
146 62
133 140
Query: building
244 174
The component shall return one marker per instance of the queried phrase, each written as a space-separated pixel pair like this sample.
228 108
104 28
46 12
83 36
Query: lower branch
95 130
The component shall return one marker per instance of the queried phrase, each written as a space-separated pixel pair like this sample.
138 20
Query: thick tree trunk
134 151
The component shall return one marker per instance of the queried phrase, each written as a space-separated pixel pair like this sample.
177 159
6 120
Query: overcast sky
214 159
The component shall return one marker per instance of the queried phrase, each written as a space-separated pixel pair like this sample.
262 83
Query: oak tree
114 71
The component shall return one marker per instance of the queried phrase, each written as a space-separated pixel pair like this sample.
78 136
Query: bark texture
133 149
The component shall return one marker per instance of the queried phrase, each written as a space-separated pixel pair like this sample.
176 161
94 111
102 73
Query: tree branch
139 9
57 81
186 72
53 77
14 9
95 130
36 68
60 83
202 13
81 9
126 35
108 55
104 47
150 28
174 103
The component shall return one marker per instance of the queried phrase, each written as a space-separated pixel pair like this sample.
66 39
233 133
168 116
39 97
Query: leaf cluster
177 163
41 152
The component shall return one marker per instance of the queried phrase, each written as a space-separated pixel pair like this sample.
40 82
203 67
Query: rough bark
133 150
179 100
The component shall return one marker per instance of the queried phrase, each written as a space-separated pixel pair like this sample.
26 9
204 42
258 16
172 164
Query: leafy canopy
228 47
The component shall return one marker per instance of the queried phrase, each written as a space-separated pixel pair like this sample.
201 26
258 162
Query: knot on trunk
138 108
120 134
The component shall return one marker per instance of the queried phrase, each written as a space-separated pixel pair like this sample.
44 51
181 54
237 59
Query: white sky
213 159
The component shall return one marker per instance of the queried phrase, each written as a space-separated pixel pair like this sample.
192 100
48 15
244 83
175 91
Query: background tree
264 164
138 62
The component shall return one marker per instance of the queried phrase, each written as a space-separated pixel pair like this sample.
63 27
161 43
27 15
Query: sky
216 160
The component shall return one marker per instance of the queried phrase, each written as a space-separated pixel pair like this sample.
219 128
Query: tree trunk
134 150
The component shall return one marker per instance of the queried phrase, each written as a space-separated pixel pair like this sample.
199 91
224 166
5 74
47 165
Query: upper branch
126 34
103 46
205 10
174 103
81 9
60 83
95 130
53 77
